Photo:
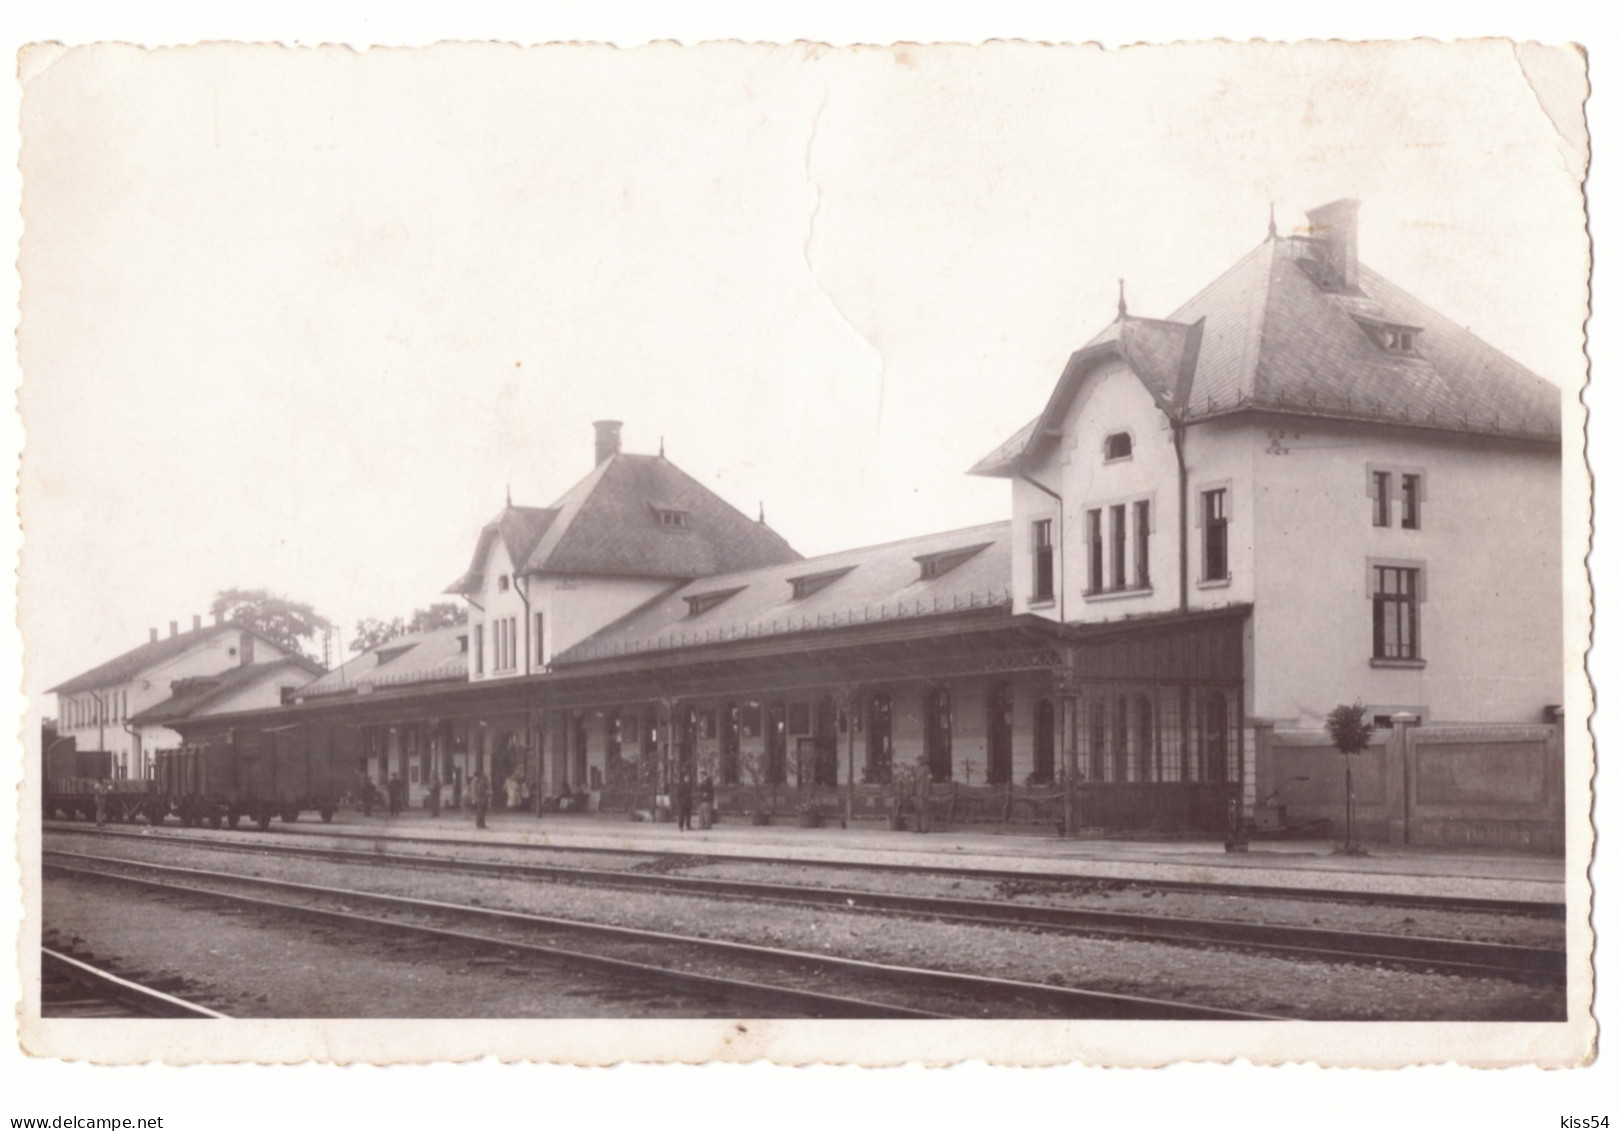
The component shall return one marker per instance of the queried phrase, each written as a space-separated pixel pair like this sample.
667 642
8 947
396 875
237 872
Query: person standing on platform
924 785
396 796
514 792
480 798
705 803
435 795
367 801
102 789
683 802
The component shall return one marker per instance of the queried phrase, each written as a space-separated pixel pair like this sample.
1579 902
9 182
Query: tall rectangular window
1216 565
1380 498
1116 522
1143 532
477 649
539 639
1410 498
1093 551
1044 581
1394 613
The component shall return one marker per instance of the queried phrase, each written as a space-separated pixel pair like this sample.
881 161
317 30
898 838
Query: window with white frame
1118 540
1397 590
1044 565
1391 489
1093 551
1216 525
1117 528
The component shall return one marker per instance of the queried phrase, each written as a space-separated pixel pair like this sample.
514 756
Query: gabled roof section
1273 337
420 657
122 669
521 528
875 584
608 524
1162 354
193 694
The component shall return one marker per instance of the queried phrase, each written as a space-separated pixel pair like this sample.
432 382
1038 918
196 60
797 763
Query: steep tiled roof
1265 335
609 524
874 583
122 669
196 692
521 528
420 657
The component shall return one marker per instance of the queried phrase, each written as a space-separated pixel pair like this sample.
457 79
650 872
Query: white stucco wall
1112 399
215 654
576 606
573 608
1489 546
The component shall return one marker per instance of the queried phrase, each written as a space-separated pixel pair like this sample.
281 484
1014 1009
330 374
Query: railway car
127 799
220 778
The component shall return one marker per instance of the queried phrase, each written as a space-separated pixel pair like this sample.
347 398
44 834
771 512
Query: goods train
216 778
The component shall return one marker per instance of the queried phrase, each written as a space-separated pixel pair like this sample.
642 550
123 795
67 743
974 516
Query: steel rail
105 984
1463 957
1539 909
1071 1003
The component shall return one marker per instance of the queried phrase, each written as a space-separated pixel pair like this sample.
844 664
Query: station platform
1390 869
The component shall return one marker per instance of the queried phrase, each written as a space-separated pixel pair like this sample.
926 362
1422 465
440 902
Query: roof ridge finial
660 447
508 492
1123 309
1272 234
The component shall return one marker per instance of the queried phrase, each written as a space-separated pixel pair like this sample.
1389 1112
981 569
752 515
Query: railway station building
1302 488
106 709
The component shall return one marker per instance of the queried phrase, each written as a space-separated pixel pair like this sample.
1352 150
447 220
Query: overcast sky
296 318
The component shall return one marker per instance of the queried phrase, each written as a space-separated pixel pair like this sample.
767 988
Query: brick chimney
174 628
154 635
607 439
1334 226
196 623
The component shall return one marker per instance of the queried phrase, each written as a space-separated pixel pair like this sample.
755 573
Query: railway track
71 987
1461 957
780 976
1538 909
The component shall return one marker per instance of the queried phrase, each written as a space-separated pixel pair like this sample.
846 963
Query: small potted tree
1351 734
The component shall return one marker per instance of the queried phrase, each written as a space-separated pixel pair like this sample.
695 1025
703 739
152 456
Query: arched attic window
1117 445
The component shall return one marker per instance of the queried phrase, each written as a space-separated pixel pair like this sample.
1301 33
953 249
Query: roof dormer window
1393 337
504 583
670 517
1118 445
699 603
941 563
815 582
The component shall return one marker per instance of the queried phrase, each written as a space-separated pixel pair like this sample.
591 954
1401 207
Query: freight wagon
222 777
127 799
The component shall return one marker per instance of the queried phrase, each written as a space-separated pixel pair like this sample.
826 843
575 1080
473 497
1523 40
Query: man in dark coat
683 802
480 798
396 796
435 794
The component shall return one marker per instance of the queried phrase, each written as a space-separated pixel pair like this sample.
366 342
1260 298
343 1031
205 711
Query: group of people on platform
705 802
479 795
